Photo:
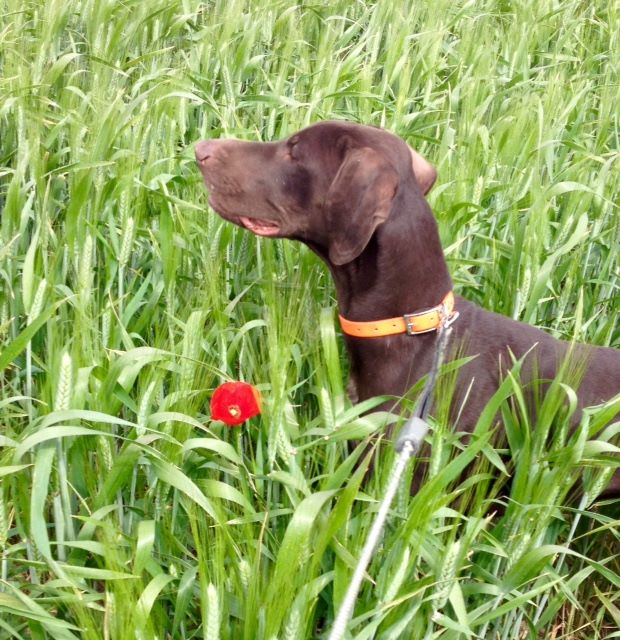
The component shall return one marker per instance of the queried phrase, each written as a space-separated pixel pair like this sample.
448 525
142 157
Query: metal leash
408 443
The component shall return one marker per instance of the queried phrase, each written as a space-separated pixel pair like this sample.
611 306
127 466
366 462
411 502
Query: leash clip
448 320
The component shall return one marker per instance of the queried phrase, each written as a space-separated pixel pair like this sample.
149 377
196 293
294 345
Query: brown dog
355 195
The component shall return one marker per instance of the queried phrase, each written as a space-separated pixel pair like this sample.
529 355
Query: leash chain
408 443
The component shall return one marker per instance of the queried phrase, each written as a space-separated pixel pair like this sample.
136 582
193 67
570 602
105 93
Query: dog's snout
205 149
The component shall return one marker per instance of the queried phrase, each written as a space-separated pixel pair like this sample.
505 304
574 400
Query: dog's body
355 196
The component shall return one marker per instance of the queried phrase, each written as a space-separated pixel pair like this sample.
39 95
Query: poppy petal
235 402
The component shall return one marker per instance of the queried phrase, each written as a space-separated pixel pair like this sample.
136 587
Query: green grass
124 511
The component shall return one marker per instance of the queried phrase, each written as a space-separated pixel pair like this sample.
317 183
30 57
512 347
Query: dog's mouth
260 227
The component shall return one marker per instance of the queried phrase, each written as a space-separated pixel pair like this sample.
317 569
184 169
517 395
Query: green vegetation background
126 513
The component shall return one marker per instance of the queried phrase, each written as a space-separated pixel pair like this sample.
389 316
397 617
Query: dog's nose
205 149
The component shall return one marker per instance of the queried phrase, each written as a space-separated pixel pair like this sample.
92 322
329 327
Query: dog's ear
359 200
424 172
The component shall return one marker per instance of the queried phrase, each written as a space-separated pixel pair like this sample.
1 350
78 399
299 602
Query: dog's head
329 185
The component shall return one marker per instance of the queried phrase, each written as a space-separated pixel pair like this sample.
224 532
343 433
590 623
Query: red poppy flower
235 402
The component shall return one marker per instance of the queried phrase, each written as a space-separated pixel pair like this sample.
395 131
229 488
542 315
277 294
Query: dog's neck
402 270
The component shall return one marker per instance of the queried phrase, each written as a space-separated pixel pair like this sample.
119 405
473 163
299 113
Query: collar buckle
412 328
435 319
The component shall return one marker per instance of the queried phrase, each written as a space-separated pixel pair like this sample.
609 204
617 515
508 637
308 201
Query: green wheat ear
62 398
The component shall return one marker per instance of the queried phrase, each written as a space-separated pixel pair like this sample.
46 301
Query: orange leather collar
410 323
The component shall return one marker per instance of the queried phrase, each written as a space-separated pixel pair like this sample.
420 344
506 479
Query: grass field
124 511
